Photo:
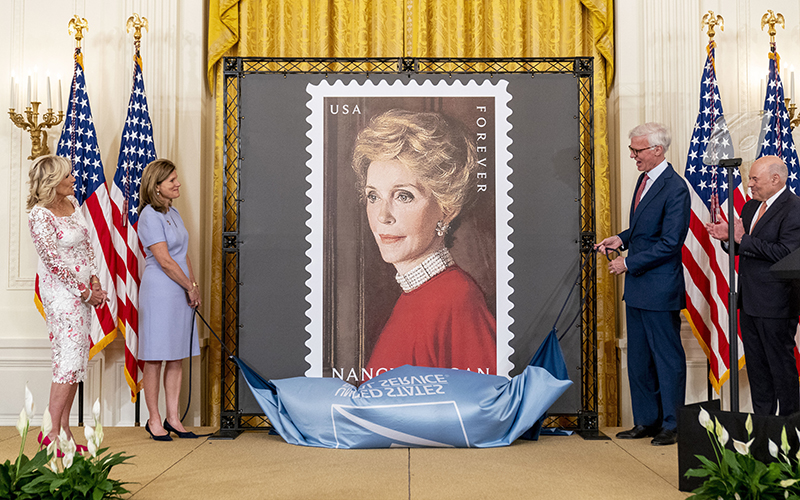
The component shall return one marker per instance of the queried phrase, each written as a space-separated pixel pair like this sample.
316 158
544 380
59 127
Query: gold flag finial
772 19
137 23
76 27
712 21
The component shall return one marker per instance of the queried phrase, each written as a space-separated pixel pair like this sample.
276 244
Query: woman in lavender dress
168 294
68 285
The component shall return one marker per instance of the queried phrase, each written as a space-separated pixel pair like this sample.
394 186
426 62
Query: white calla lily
88 432
22 422
67 459
788 482
98 433
784 442
742 448
722 433
705 420
748 424
47 422
63 441
30 407
92 448
773 449
96 410
69 448
52 447
723 439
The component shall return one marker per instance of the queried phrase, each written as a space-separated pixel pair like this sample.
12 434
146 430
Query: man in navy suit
767 232
654 288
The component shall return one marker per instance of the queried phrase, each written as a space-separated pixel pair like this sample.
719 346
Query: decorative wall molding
24 361
15 161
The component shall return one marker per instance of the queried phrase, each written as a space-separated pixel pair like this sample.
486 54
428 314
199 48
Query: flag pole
733 317
711 21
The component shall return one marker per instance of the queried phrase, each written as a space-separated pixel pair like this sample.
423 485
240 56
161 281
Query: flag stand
80 404
733 330
137 411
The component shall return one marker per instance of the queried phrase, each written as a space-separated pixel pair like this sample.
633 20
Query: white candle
16 93
49 99
60 105
35 84
791 85
11 99
28 97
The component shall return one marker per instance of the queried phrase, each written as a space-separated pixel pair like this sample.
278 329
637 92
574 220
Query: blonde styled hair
45 174
431 147
154 174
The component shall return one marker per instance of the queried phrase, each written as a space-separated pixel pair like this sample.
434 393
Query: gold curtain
425 28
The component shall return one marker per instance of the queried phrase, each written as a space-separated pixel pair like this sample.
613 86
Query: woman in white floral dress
68 286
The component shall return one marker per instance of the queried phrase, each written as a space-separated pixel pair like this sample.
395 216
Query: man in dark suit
767 232
654 287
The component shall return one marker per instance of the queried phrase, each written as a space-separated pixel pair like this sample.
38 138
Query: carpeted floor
257 465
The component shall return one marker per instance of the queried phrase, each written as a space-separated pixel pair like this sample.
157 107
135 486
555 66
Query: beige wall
660 51
35 34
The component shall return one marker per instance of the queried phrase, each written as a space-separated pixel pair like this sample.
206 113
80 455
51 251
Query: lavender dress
165 318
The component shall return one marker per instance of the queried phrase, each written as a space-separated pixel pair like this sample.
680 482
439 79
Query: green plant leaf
707 463
697 473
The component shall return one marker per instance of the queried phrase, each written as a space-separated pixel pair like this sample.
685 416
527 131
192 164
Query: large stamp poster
409 227
310 287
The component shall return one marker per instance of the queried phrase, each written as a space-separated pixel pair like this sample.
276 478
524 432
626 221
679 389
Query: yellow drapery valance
424 28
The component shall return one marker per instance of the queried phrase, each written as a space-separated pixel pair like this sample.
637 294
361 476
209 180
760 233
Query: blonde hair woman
168 294
68 285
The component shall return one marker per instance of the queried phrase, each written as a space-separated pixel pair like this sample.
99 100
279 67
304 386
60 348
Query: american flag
705 264
78 143
776 135
136 150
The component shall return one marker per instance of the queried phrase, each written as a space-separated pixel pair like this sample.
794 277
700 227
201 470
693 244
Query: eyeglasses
636 152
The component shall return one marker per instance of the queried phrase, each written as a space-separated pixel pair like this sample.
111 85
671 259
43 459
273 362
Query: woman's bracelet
89 297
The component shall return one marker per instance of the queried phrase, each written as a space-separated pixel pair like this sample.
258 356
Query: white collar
427 269
774 197
657 170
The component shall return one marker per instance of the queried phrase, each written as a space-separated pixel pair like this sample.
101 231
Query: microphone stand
733 317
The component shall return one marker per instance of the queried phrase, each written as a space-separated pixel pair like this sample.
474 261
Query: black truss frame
232 419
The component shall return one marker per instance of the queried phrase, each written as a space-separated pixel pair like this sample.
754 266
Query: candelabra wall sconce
791 108
29 121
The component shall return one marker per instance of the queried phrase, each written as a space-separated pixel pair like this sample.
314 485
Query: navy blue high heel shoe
182 435
165 437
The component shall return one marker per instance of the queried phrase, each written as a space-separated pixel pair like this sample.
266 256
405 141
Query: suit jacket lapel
651 193
770 213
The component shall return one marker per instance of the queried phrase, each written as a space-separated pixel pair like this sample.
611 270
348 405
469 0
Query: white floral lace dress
66 264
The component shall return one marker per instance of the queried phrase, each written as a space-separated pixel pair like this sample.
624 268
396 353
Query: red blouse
444 324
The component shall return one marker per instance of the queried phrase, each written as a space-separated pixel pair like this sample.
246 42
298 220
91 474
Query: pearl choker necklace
430 267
